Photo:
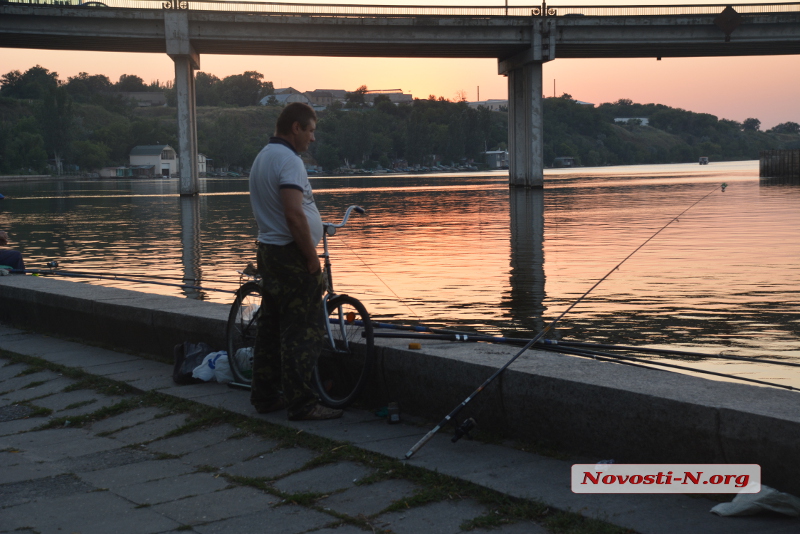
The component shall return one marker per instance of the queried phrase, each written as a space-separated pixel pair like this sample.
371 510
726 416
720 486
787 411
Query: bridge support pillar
525 126
180 49
525 118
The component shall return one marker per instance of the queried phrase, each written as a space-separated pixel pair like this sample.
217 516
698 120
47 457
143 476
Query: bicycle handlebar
358 209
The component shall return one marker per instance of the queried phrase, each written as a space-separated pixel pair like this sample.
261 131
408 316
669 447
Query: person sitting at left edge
11 258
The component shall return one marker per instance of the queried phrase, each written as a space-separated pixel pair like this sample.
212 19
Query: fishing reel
464 429
52 264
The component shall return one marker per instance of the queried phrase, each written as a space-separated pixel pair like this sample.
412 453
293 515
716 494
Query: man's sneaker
269 407
318 413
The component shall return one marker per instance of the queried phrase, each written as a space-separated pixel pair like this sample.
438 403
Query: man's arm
292 200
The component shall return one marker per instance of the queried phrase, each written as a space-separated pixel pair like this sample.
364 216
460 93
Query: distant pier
780 164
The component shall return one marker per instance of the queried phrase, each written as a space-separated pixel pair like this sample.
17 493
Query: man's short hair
294 112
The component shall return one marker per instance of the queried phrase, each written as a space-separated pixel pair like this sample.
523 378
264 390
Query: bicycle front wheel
241 331
346 359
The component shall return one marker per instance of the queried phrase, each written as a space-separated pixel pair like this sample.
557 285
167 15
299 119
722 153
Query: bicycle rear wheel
241 331
345 362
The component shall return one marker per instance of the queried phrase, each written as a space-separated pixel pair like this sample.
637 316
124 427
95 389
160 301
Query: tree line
87 122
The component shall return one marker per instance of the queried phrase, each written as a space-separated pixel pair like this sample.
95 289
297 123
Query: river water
463 250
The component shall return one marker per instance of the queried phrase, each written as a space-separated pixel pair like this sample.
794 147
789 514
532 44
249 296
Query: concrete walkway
123 471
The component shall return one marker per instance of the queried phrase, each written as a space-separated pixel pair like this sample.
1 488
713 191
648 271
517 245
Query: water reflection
190 245
464 251
524 301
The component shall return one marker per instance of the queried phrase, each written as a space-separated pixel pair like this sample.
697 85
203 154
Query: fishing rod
606 356
467 337
54 264
150 276
101 277
427 437
669 352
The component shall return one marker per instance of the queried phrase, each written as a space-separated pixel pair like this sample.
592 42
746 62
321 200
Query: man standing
290 324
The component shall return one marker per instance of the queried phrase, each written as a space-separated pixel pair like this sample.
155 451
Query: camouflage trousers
291 329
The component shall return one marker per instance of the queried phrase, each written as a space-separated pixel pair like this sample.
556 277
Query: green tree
356 98
245 89
130 83
751 125
90 155
34 84
22 147
56 121
786 128
207 87
83 87
226 141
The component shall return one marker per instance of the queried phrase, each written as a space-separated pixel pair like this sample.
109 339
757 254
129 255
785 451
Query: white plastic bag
244 361
215 366
222 368
753 503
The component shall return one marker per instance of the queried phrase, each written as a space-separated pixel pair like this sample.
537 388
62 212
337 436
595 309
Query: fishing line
381 279
449 335
101 277
427 437
90 273
668 352
607 356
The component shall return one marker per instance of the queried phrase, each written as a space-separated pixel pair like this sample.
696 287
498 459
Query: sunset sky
732 88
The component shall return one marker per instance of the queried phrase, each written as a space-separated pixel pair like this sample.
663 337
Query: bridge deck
363 32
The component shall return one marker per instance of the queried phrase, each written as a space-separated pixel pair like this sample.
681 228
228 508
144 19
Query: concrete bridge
521 38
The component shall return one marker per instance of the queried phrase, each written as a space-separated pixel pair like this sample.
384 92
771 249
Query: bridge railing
708 9
361 10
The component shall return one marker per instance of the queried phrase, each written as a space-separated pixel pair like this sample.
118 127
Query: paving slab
272 464
105 460
125 420
128 367
56 444
48 388
369 499
217 505
13 412
60 403
150 430
149 371
17 467
41 489
286 519
9 428
172 488
527 527
341 529
186 443
196 391
64 352
324 479
10 370
443 517
356 426
89 513
135 473
15 383
153 383
229 452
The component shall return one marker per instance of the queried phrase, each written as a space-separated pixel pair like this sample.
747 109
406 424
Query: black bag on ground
187 357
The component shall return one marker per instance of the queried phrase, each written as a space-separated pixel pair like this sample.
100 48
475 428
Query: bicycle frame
329 229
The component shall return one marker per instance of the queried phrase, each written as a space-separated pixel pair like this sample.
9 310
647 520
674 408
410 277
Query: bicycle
343 366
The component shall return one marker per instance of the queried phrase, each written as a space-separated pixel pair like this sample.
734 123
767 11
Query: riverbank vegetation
88 122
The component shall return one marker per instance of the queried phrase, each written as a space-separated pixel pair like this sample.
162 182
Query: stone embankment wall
599 410
779 164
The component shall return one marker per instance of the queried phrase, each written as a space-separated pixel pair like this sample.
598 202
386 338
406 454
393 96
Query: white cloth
278 166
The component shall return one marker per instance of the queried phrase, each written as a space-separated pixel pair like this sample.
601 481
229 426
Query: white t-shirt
278 166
